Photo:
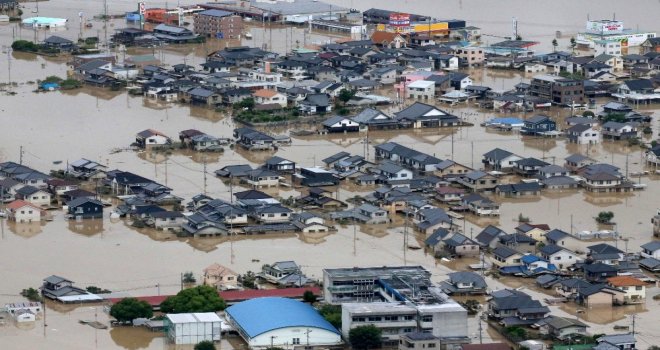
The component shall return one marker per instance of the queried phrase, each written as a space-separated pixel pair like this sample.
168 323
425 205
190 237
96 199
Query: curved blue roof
260 315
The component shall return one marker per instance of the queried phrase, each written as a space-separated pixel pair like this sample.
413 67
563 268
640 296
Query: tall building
558 90
398 300
218 24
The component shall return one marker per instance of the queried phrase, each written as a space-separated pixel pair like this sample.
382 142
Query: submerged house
420 115
539 125
151 137
85 208
464 283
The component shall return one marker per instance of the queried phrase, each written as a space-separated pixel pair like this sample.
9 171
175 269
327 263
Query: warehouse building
281 322
193 328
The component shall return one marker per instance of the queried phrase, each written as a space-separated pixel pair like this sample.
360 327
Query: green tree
554 44
309 297
31 294
24 45
247 103
188 277
129 309
605 217
346 95
197 299
515 332
588 114
365 337
573 44
332 314
248 280
614 117
205 345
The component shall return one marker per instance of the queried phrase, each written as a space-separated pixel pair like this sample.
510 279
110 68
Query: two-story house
560 257
499 159
539 125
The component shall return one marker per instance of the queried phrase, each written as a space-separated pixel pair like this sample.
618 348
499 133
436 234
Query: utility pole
105 25
633 324
452 144
45 324
165 171
307 333
204 160
9 67
231 189
20 156
481 341
472 153
181 280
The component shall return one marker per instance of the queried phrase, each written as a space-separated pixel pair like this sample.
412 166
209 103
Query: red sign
400 19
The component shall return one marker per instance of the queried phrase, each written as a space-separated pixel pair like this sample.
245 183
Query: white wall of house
563 259
40 198
156 140
26 214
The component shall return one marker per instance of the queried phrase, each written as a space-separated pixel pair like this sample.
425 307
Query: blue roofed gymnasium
281 322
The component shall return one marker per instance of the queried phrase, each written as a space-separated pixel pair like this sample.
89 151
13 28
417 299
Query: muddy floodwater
99 124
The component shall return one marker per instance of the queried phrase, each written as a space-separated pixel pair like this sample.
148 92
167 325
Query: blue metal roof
261 315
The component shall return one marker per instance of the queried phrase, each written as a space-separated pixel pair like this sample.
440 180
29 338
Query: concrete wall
286 337
450 323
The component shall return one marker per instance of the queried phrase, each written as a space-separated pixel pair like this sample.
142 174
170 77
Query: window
431 345
374 318
427 318
295 341
639 287
408 317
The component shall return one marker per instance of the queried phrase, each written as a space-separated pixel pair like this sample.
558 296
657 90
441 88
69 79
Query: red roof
237 295
491 346
240 295
21 203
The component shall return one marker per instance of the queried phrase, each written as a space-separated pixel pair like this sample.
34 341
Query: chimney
267 67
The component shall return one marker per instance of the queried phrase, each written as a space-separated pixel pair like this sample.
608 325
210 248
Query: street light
271 340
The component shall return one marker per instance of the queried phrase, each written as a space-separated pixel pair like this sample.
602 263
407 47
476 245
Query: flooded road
91 123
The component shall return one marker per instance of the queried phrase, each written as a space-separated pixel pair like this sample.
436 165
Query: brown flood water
65 126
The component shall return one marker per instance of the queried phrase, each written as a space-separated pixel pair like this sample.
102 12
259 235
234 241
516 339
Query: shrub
605 217
24 45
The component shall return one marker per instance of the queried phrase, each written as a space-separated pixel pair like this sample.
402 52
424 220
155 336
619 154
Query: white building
22 211
608 47
393 319
421 89
281 322
192 328
412 303
583 134
24 312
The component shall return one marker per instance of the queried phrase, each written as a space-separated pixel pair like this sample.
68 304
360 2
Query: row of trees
197 299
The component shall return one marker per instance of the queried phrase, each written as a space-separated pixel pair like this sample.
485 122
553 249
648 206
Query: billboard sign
605 27
400 19
141 8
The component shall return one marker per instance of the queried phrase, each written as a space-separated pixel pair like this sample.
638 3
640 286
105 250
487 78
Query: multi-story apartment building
471 56
218 23
558 90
